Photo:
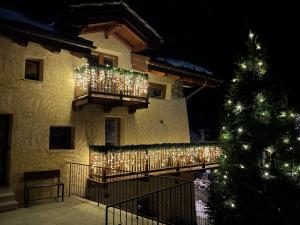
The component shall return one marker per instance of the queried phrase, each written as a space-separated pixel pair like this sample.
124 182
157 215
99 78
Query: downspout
197 90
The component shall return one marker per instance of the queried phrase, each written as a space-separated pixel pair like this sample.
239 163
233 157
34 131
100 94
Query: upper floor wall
111 46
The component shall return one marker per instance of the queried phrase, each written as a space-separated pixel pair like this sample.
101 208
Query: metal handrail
145 195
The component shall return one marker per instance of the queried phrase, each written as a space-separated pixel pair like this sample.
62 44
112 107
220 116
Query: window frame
40 68
114 58
118 131
69 146
157 85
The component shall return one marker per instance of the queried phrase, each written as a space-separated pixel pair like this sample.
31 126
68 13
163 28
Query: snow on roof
127 7
184 64
12 15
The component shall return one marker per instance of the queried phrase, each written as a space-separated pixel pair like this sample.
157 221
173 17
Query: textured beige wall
112 46
38 105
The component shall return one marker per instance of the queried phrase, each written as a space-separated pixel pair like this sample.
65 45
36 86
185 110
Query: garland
83 68
103 148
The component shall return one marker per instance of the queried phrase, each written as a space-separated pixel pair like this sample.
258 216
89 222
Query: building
53 105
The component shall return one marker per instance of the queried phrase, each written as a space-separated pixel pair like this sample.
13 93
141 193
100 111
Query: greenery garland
83 68
103 148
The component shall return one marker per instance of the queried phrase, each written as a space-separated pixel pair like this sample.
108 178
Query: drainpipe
197 90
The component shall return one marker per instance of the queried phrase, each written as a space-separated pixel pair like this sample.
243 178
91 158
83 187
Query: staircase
7 200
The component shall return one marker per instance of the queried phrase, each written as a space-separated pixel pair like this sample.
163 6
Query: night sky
211 34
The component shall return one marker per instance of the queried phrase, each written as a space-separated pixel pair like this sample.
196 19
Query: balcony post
147 162
89 84
104 175
177 166
121 95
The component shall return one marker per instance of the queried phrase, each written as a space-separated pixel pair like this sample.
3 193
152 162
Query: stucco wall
111 46
36 106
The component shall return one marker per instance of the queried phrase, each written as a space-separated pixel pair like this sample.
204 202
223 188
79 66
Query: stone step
4 189
8 206
8 196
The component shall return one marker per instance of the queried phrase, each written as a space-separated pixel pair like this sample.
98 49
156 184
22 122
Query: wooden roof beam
124 40
112 29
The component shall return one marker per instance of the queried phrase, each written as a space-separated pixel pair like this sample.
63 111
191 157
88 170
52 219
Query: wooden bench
42 175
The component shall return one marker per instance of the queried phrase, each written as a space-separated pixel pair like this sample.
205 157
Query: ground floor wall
30 134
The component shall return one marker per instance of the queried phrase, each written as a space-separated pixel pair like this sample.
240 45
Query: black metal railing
171 205
100 184
161 199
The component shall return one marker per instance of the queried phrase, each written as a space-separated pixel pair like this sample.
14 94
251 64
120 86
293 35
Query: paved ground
51 212
74 211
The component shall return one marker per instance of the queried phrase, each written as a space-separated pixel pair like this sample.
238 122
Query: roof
123 4
17 26
183 65
11 15
81 15
63 34
188 72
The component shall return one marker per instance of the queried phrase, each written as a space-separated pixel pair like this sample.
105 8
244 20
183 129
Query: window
110 60
61 138
157 90
33 69
112 131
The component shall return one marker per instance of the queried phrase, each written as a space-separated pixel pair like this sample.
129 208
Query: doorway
5 131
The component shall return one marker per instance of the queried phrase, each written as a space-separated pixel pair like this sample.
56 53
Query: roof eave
114 11
18 31
214 81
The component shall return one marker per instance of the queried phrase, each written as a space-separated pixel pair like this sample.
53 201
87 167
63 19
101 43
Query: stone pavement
50 212
73 211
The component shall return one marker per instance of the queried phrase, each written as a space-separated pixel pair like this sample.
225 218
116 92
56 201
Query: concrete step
8 206
4 189
8 196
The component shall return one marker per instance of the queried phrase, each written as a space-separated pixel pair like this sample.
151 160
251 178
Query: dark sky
212 34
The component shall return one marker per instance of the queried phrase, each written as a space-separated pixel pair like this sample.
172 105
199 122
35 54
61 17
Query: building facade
45 126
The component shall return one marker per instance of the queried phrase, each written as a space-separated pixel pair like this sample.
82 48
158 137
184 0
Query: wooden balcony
155 158
110 87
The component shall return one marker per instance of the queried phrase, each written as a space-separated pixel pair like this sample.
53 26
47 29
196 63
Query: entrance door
5 122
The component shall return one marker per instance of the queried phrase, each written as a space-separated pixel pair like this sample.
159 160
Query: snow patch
184 64
11 15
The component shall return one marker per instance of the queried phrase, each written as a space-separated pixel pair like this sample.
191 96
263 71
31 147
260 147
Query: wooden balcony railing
110 87
147 158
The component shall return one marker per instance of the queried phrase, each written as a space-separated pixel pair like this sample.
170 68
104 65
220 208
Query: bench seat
42 175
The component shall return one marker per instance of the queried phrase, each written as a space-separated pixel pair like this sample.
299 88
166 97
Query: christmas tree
257 181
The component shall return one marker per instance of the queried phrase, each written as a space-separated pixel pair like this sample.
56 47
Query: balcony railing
147 158
110 86
136 198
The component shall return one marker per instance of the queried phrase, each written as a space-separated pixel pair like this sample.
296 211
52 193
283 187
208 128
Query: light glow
246 147
136 159
101 79
251 35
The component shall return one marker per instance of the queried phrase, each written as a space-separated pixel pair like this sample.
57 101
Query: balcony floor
110 103
75 211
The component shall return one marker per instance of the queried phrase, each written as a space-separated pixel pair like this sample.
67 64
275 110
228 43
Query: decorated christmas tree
257 181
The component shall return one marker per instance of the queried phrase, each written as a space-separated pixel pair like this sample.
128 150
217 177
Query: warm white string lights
137 160
109 80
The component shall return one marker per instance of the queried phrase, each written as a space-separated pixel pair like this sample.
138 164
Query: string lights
138 158
262 148
109 80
